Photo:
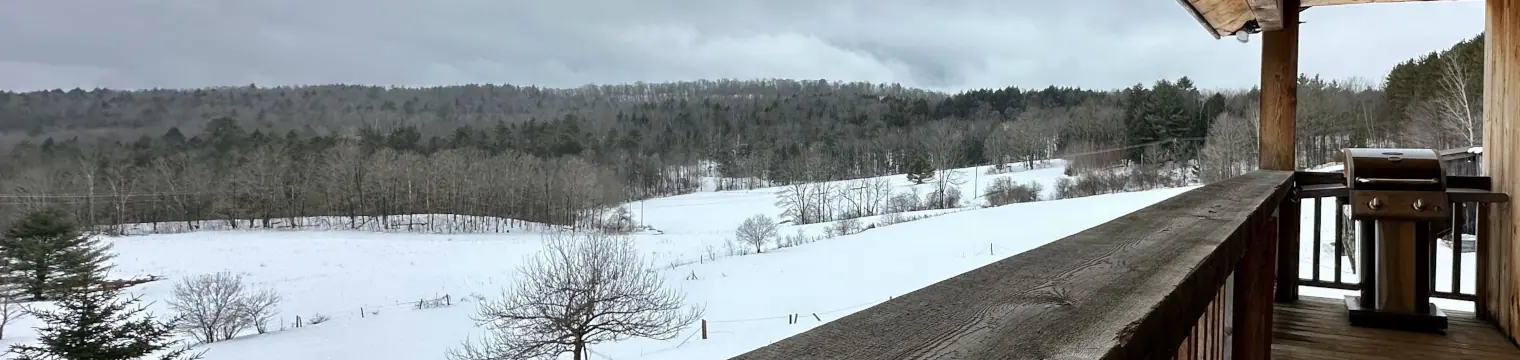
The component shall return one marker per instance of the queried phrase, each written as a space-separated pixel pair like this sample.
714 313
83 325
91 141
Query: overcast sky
943 45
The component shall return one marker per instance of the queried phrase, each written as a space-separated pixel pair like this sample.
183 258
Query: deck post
1279 108
1251 333
1501 138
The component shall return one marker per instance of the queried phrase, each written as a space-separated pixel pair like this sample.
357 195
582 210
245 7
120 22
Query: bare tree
208 306
848 198
862 197
1032 136
581 289
874 198
947 190
258 308
942 142
796 201
215 307
756 231
1450 118
1459 107
11 310
1230 148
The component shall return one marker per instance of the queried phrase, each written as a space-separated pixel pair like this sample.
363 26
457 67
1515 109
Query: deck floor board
1318 328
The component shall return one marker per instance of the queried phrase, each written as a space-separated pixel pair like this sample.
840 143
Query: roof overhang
1226 17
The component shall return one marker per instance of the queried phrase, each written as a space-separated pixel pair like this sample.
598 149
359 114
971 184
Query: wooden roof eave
1227 17
1192 9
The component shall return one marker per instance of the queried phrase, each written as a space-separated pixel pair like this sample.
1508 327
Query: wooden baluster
1316 248
1458 220
1340 231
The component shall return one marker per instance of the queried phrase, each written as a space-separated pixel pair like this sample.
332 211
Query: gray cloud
947 45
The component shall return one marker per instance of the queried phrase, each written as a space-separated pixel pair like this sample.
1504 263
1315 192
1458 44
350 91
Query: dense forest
564 156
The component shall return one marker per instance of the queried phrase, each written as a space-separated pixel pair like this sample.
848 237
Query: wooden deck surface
1318 328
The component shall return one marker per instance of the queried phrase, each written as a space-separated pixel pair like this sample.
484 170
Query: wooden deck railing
1172 280
1469 202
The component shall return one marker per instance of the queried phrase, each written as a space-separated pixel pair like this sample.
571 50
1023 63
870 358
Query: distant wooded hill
549 155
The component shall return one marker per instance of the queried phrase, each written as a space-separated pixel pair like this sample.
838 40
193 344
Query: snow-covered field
368 282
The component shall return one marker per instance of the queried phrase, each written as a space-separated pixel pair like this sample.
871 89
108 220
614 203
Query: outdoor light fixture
1246 29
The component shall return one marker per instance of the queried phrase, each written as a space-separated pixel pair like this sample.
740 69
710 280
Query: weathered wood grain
1129 288
1355 2
1268 13
1224 17
1501 139
1279 93
1252 328
1288 250
1318 328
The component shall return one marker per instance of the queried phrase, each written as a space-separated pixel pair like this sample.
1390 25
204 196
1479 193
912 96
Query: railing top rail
1129 287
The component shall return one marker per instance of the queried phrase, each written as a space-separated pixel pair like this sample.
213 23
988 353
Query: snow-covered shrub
845 227
905 202
1004 191
946 198
1089 184
317 318
793 240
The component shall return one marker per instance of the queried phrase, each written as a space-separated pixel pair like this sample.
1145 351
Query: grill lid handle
1398 181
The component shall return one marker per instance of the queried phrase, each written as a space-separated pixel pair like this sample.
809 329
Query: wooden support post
1287 250
1501 137
1279 107
1252 332
1279 91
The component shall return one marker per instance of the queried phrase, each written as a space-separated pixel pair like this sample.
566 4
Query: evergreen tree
919 170
47 254
95 325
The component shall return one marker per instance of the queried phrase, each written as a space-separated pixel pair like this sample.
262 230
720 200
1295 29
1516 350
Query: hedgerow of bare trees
807 202
1032 137
220 306
863 197
582 289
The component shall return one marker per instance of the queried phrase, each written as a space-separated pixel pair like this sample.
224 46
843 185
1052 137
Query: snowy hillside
368 283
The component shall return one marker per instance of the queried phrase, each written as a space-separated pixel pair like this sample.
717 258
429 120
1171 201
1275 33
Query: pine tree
47 254
919 169
95 325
